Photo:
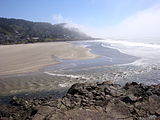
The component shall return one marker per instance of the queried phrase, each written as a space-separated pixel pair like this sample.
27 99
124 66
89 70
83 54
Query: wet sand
111 66
32 57
108 57
73 58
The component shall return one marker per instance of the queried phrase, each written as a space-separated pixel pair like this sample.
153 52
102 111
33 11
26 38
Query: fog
138 34
143 26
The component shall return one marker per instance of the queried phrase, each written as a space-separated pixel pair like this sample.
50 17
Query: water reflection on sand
111 65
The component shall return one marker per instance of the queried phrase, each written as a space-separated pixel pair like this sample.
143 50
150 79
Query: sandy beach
38 71
32 57
33 67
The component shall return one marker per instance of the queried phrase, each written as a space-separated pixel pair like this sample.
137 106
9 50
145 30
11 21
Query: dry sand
32 57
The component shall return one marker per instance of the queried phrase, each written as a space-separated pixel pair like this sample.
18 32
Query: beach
51 67
32 57
77 74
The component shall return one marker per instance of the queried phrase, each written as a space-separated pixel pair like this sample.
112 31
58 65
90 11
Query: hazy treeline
16 31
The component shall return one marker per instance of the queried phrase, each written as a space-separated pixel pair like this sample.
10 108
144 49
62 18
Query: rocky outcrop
94 101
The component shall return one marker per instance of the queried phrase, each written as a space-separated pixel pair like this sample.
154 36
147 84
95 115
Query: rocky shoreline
90 101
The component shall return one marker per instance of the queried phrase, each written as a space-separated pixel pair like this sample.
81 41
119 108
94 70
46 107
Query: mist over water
148 52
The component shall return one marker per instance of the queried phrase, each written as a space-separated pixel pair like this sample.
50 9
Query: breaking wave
149 53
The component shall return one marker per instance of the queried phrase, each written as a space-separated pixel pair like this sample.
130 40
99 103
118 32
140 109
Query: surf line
65 75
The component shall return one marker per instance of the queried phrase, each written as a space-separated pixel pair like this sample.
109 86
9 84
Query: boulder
91 101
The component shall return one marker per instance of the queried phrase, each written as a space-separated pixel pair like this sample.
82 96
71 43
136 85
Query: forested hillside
16 31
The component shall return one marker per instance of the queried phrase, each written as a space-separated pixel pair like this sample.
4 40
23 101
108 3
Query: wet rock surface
90 101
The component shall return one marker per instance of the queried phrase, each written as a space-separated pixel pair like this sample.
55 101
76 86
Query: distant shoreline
66 40
19 31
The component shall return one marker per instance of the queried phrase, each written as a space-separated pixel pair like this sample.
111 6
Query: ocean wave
149 53
135 44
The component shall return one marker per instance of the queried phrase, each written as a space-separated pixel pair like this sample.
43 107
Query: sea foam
149 53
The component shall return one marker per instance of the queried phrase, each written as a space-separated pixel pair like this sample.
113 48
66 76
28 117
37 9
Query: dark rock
26 104
105 101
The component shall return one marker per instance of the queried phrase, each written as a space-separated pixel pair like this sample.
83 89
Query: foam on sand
65 75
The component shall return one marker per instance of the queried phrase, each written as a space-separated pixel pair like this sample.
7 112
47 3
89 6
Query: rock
26 104
43 111
118 110
158 111
155 89
104 101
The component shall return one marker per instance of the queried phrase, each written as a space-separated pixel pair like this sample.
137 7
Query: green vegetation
18 31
